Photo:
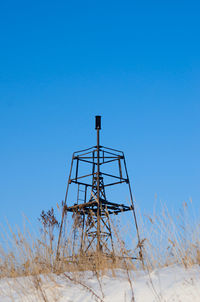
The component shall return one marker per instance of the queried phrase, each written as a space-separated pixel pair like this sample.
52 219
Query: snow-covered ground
168 284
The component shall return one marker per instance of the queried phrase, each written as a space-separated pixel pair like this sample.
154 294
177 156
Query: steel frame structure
91 214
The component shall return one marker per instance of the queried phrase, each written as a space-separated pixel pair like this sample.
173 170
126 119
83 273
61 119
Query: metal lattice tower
91 210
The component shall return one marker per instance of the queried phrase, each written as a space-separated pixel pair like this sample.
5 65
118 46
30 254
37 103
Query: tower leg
134 216
63 213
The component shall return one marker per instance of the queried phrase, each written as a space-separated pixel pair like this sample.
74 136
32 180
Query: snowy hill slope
168 284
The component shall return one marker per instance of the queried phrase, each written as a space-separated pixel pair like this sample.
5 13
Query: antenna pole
98 127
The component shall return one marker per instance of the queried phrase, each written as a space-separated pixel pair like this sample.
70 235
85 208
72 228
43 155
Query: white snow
168 284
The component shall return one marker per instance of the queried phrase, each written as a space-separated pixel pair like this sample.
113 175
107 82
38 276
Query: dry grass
168 239
26 255
172 238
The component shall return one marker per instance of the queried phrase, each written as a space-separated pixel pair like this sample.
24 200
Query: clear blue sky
137 63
